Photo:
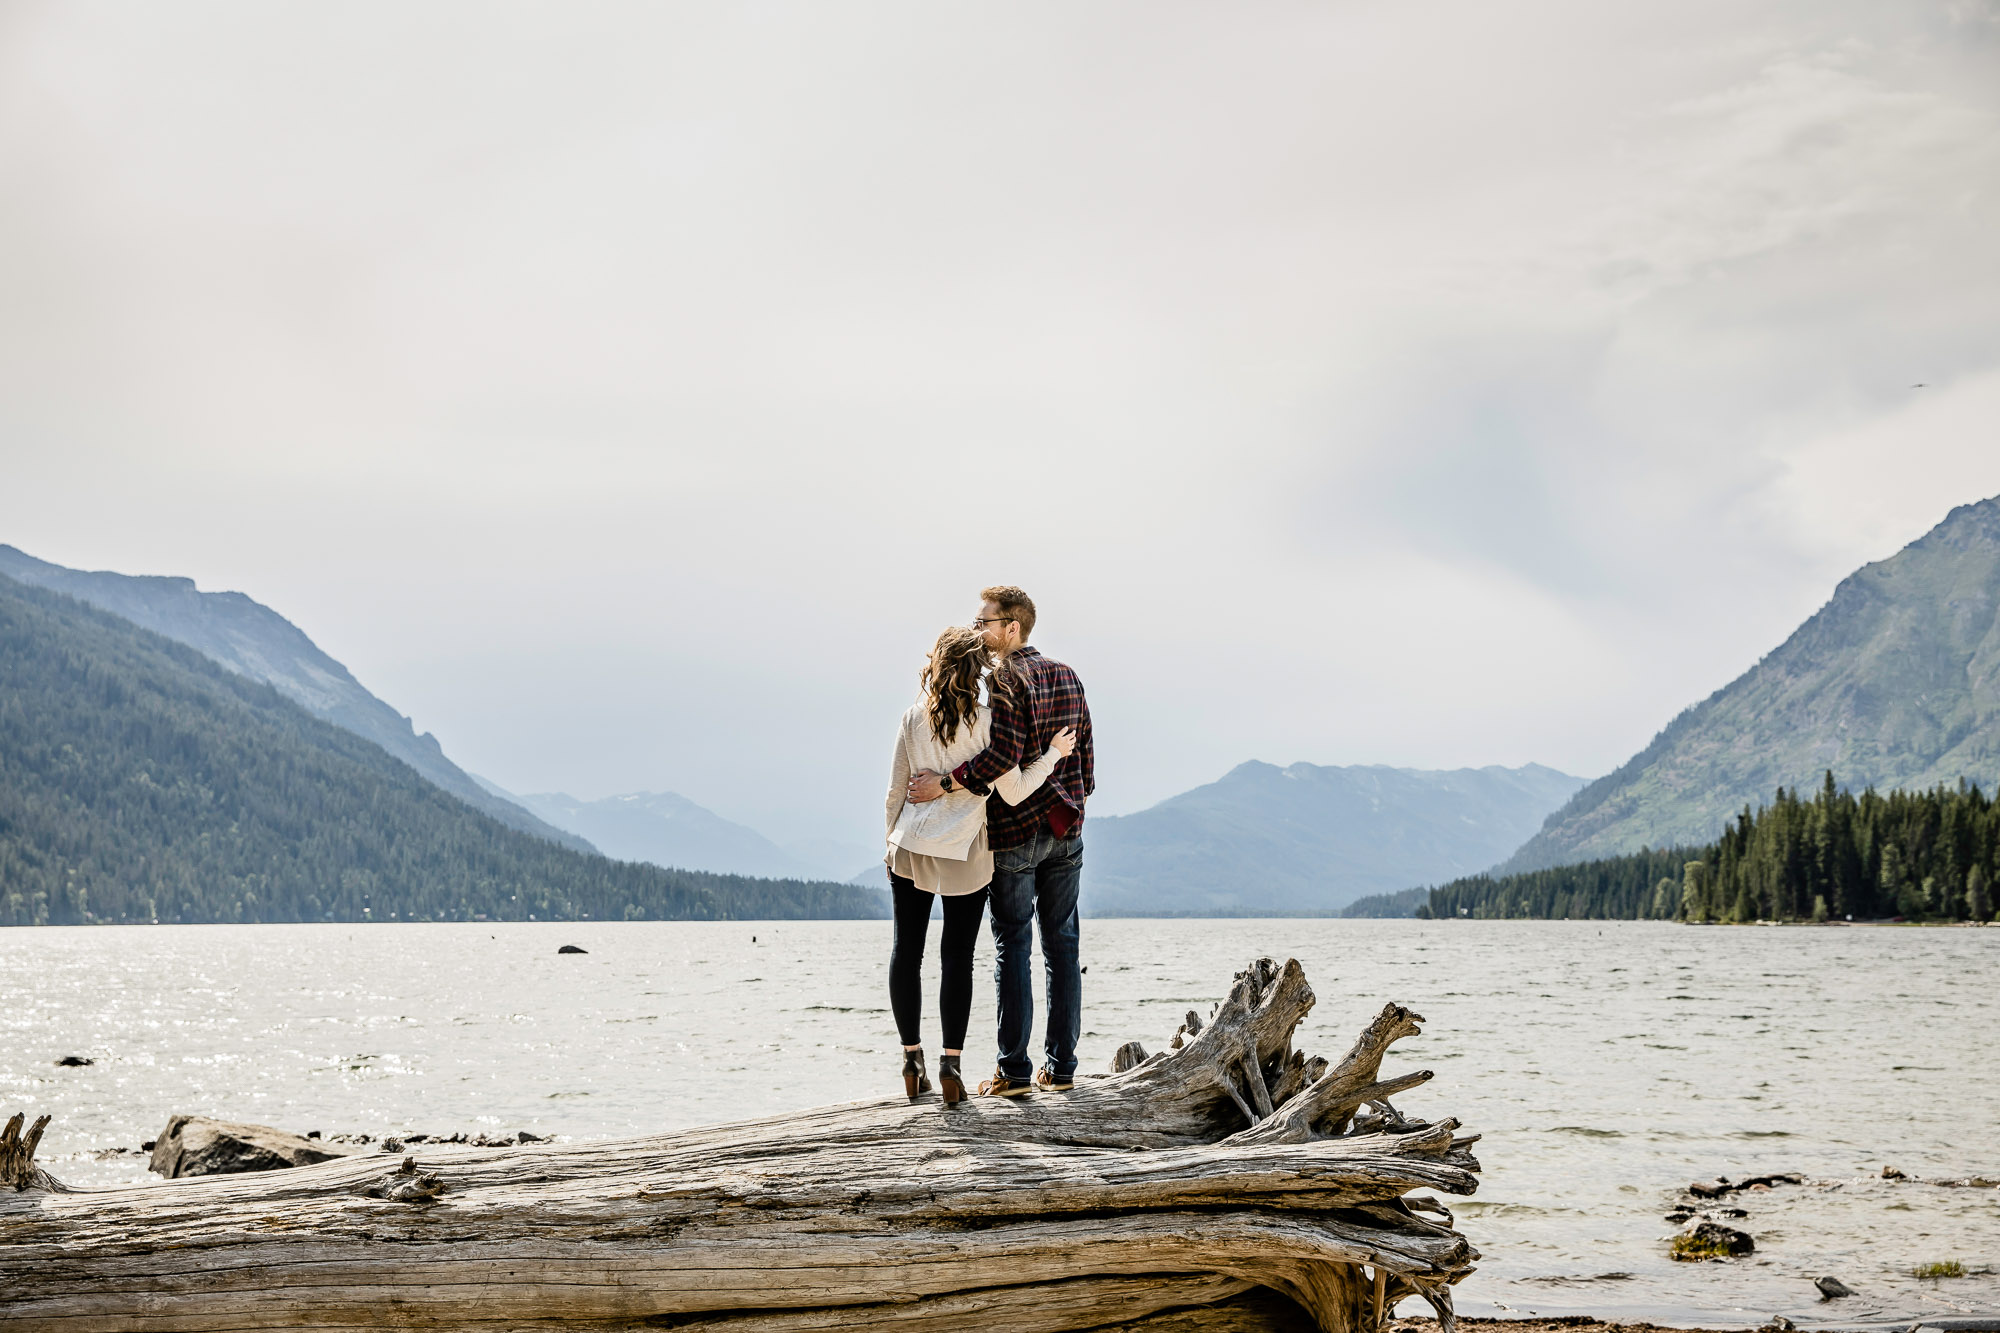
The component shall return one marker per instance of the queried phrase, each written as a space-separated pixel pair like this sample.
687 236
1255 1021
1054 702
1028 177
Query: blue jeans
1038 878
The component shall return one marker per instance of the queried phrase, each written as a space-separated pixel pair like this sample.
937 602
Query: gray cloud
630 391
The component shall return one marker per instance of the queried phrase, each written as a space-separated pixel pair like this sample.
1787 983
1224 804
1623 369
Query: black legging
962 914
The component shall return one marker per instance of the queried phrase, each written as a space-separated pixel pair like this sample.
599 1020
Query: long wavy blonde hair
951 680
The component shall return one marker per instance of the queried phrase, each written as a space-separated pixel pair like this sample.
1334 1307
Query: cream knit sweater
949 828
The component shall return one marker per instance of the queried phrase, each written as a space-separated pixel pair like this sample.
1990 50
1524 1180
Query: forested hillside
1894 683
252 640
1925 856
139 781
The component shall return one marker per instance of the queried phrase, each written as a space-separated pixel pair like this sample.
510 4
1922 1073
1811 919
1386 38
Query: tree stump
1226 1183
18 1171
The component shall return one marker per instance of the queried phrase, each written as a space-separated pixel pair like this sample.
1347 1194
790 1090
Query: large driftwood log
1227 1183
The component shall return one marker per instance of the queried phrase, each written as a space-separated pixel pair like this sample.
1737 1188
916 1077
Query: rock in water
571 948
194 1145
1718 1238
1832 1287
74 1062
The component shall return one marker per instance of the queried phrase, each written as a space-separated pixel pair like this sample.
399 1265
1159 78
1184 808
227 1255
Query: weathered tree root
18 1171
1226 1183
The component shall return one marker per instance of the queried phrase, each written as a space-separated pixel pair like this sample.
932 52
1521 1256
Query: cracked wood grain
1221 1184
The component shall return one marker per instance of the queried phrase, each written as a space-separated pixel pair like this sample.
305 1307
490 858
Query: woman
938 848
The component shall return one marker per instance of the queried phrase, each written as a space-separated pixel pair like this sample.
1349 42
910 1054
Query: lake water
1607 1064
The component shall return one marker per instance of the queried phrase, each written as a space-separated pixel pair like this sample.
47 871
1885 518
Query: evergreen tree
1931 855
1896 889
1744 909
1666 899
1694 892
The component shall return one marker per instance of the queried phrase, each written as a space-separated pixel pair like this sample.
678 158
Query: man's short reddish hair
1014 605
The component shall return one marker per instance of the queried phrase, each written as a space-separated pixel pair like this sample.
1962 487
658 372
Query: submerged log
1226 1183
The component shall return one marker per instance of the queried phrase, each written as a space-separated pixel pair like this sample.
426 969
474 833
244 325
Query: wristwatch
945 782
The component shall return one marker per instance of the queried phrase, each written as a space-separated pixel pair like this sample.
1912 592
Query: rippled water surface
1607 1064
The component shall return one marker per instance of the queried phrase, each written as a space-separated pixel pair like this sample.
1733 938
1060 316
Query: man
1037 845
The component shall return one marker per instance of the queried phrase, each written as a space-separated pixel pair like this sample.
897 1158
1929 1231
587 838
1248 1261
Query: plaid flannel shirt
1046 697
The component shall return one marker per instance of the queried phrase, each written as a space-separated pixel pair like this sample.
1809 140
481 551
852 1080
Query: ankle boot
949 1082
915 1081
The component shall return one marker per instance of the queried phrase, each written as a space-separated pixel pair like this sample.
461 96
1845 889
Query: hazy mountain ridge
140 781
1403 902
1894 683
249 638
1308 839
666 829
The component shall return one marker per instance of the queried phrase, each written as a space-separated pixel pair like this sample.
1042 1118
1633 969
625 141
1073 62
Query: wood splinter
1260 1201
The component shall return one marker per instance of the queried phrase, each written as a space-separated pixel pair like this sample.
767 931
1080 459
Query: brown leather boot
1002 1086
950 1083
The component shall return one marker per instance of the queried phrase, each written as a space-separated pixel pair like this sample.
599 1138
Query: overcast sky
630 392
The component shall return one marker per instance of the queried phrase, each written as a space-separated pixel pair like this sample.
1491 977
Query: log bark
1227 1182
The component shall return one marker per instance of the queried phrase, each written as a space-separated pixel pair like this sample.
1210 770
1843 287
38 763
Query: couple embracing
985 808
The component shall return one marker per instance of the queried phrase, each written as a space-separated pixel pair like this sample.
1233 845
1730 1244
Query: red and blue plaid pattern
1034 697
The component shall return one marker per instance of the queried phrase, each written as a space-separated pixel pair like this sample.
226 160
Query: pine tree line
1403 902
1919 855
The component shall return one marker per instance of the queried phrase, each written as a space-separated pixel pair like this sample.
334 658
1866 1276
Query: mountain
252 640
1308 840
667 830
834 858
141 781
670 830
1895 682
